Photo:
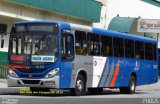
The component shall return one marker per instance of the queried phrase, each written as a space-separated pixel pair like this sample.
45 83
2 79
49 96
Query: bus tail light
52 73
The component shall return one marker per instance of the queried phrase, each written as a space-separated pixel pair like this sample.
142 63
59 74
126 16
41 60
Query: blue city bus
46 55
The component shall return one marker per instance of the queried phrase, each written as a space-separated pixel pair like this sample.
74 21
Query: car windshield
33 49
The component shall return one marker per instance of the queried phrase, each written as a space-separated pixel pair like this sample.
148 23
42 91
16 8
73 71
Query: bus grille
31 81
32 70
27 76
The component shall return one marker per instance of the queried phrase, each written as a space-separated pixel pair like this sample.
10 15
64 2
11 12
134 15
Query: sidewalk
3 83
150 87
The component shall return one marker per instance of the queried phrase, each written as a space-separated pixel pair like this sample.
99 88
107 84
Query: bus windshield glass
33 49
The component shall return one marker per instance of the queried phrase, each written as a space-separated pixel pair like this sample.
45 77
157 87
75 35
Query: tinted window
93 44
154 51
118 47
106 45
80 43
129 48
149 49
139 49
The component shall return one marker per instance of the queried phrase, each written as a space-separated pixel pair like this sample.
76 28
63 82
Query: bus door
67 55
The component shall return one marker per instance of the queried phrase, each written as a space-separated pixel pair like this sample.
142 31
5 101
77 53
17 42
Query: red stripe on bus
13 67
114 78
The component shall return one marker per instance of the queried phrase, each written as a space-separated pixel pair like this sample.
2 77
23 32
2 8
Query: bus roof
124 35
96 30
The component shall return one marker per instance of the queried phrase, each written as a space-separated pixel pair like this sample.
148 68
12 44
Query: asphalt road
13 96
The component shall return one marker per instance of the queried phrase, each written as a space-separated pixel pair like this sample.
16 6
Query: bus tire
131 87
80 87
95 90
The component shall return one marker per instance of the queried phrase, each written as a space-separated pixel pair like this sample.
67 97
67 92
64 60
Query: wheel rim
79 85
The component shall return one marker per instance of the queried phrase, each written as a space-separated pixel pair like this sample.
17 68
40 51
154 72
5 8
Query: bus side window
149 51
67 46
139 49
80 42
93 44
118 47
154 51
129 48
106 45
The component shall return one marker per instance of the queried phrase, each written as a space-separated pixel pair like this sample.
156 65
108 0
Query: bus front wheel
131 87
80 87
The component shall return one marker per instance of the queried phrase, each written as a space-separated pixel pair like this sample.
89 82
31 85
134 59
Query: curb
3 80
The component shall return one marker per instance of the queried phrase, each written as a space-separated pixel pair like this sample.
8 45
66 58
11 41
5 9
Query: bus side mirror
2 43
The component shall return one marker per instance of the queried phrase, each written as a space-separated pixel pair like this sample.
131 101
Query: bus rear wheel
80 87
131 87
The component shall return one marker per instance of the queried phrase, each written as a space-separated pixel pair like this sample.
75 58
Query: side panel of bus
65 74
85 64
112 75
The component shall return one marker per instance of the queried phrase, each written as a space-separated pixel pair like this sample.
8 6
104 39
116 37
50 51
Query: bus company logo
136 66
27 58
30 76
95 63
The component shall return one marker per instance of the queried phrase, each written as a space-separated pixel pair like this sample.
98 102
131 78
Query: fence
3 69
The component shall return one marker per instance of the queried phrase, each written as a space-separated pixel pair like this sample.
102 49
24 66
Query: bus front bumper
28 82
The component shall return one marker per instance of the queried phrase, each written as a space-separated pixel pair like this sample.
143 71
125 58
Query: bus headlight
12 73
52 73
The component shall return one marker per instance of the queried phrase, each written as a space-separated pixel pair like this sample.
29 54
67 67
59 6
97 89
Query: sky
132 8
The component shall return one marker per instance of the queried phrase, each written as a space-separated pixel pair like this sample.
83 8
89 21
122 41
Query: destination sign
37 58
25 28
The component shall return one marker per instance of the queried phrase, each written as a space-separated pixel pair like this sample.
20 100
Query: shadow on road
58 93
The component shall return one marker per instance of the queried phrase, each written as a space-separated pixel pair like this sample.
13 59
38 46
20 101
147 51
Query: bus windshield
33 49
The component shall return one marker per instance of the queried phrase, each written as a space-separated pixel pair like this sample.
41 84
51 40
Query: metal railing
3 69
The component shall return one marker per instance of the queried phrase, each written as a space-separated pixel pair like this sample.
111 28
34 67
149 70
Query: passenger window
106 45
129 48
118 47
149 51
139 50
93 44
154 51
80 43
